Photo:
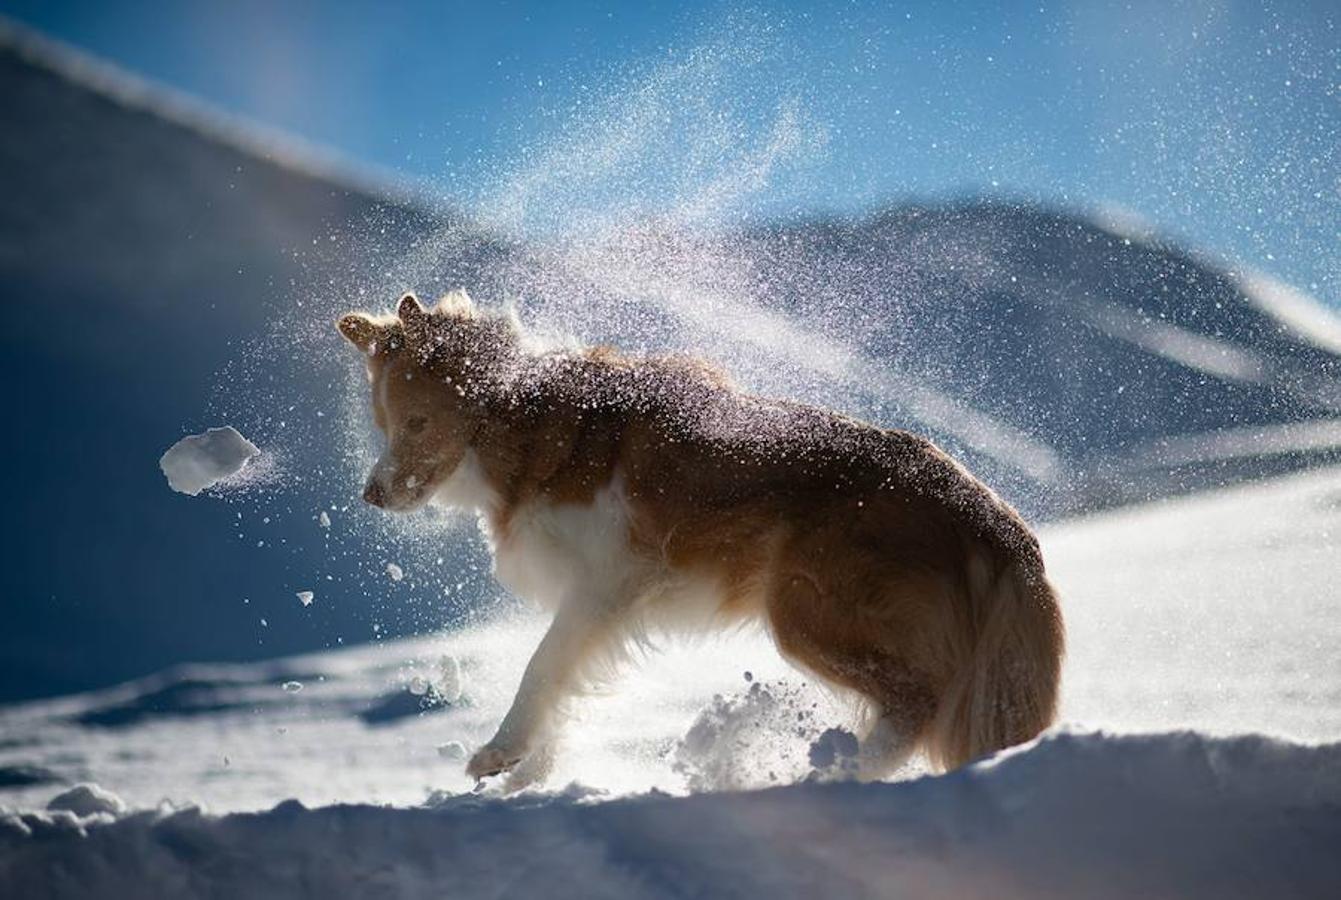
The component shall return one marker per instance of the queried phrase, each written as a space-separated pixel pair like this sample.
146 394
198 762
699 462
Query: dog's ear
359 330
413 317
456 303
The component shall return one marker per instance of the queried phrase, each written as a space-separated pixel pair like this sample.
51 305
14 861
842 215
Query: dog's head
431 372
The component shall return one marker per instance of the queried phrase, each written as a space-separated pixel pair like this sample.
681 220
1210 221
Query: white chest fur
548 552
551 552
580 553
466 487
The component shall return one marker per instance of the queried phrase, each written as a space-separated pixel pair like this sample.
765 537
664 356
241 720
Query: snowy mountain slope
1178 620
139 251
1099 343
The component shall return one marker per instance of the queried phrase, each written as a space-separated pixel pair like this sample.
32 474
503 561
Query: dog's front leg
578 635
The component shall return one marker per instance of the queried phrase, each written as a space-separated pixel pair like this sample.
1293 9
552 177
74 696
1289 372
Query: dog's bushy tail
1005 688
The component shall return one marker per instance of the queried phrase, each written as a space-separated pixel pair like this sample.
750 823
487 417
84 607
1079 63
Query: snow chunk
453 750
306 597
756 739
324 520
395 571
87 799
292 687
449 681
834 745
200 461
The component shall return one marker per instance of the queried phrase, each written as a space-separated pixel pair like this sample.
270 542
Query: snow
1301 314
449 678
1075 814
453 750
836 746
201 461
1197 754
87 800
394 572
306 597
764 736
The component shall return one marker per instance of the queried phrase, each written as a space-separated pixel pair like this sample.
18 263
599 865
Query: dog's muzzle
374 493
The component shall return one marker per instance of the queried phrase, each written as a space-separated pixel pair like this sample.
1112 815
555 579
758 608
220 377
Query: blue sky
1219 123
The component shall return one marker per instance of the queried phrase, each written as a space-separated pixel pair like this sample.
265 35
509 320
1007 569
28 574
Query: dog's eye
415 424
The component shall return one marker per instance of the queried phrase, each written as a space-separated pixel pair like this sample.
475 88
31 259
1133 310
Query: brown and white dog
628 493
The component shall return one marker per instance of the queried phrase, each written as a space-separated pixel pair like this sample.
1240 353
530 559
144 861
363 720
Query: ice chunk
200 461
306 597
292 687
324 520
395 571
86 800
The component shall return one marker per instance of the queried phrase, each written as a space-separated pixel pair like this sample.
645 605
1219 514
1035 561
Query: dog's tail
1005 687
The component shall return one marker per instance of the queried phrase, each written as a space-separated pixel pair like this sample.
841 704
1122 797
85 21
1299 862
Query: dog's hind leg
888 744
824 634
582 636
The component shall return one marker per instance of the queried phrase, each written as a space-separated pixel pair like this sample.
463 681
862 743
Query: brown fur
879 563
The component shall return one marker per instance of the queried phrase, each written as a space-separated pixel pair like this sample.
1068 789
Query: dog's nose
374 494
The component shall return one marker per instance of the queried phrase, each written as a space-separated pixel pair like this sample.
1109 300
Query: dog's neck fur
557 428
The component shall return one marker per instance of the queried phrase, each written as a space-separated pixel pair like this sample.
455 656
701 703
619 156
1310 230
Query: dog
626 493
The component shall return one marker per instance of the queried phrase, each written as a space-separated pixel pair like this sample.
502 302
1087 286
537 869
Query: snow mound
87 800
201 461
1074 814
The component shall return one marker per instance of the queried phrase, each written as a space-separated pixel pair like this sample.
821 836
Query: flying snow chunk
834 746
395 571
306 597
292 687
324 520
453 750
449 679
200 461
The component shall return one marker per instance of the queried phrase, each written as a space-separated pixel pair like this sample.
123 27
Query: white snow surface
1197 754
84 800
1073 815
201 461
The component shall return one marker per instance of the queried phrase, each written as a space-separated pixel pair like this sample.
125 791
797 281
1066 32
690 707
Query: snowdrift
1074 814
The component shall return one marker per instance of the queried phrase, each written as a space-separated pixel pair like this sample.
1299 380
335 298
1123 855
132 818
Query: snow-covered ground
1190 621
1075 816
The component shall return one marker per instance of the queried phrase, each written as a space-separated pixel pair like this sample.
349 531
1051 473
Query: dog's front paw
492 759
